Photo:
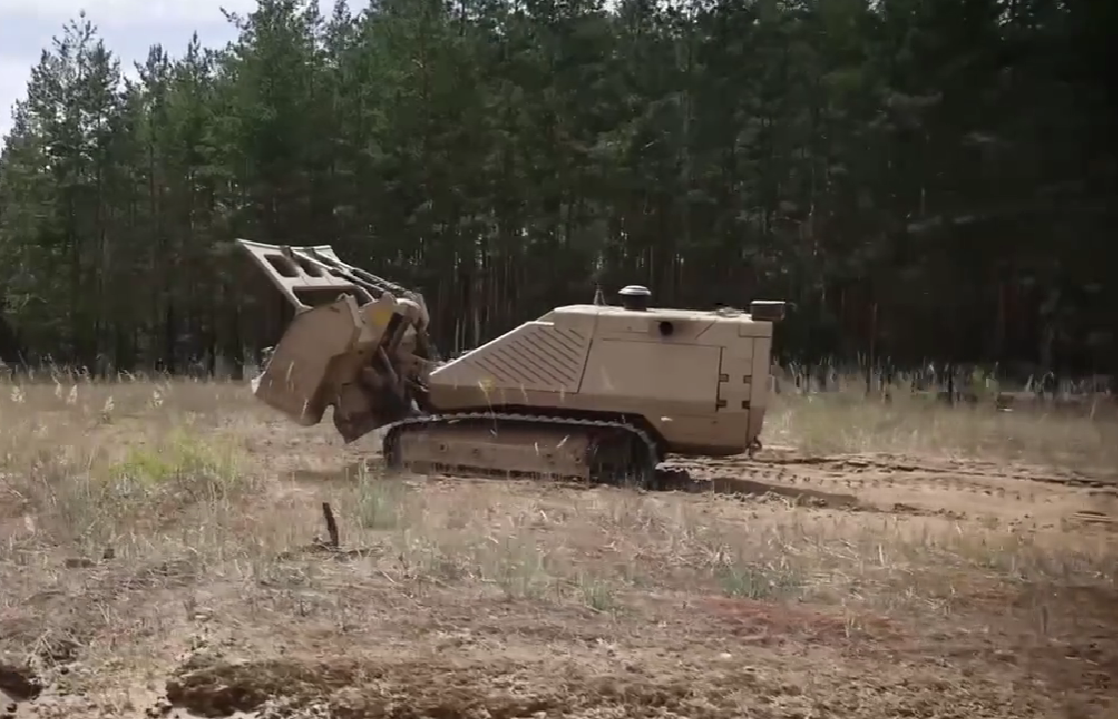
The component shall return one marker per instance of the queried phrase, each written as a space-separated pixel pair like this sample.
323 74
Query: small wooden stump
331 525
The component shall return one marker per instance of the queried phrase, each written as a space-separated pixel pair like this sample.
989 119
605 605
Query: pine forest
924 180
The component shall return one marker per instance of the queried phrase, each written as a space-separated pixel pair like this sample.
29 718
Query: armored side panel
700 379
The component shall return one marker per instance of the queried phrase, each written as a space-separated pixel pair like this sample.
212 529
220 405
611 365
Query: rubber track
447 420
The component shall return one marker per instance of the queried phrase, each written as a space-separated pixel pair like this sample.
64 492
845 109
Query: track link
501 444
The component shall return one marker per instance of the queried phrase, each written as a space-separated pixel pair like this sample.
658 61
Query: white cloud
128 27
13 84
122 13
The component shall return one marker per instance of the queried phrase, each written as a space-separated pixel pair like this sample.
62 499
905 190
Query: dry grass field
158 557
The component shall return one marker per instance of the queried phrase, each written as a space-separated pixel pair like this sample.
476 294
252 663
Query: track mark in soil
730 485
1088 516
855 464
908 509
770 623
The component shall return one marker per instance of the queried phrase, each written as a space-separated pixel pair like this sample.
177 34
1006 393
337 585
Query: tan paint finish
699 378
541 450
704 387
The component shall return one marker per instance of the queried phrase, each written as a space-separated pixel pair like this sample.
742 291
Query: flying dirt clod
594 392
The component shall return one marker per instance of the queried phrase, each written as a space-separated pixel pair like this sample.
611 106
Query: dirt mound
354 688
430 687
221 689
19 682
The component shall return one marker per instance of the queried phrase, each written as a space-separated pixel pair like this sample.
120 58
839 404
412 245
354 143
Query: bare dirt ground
158 558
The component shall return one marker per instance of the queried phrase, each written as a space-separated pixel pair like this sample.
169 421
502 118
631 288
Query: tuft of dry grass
142 522
896 419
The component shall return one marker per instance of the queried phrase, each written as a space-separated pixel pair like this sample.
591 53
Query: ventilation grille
535 356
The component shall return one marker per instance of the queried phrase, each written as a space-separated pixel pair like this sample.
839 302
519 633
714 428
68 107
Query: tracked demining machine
595 392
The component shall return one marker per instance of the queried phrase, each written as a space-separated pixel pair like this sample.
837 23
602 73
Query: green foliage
739 579
929 158
96 496
381 503
182 464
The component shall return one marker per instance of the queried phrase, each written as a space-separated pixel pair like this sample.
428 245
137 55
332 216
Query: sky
129 28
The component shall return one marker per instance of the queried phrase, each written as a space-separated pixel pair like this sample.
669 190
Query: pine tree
910 173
